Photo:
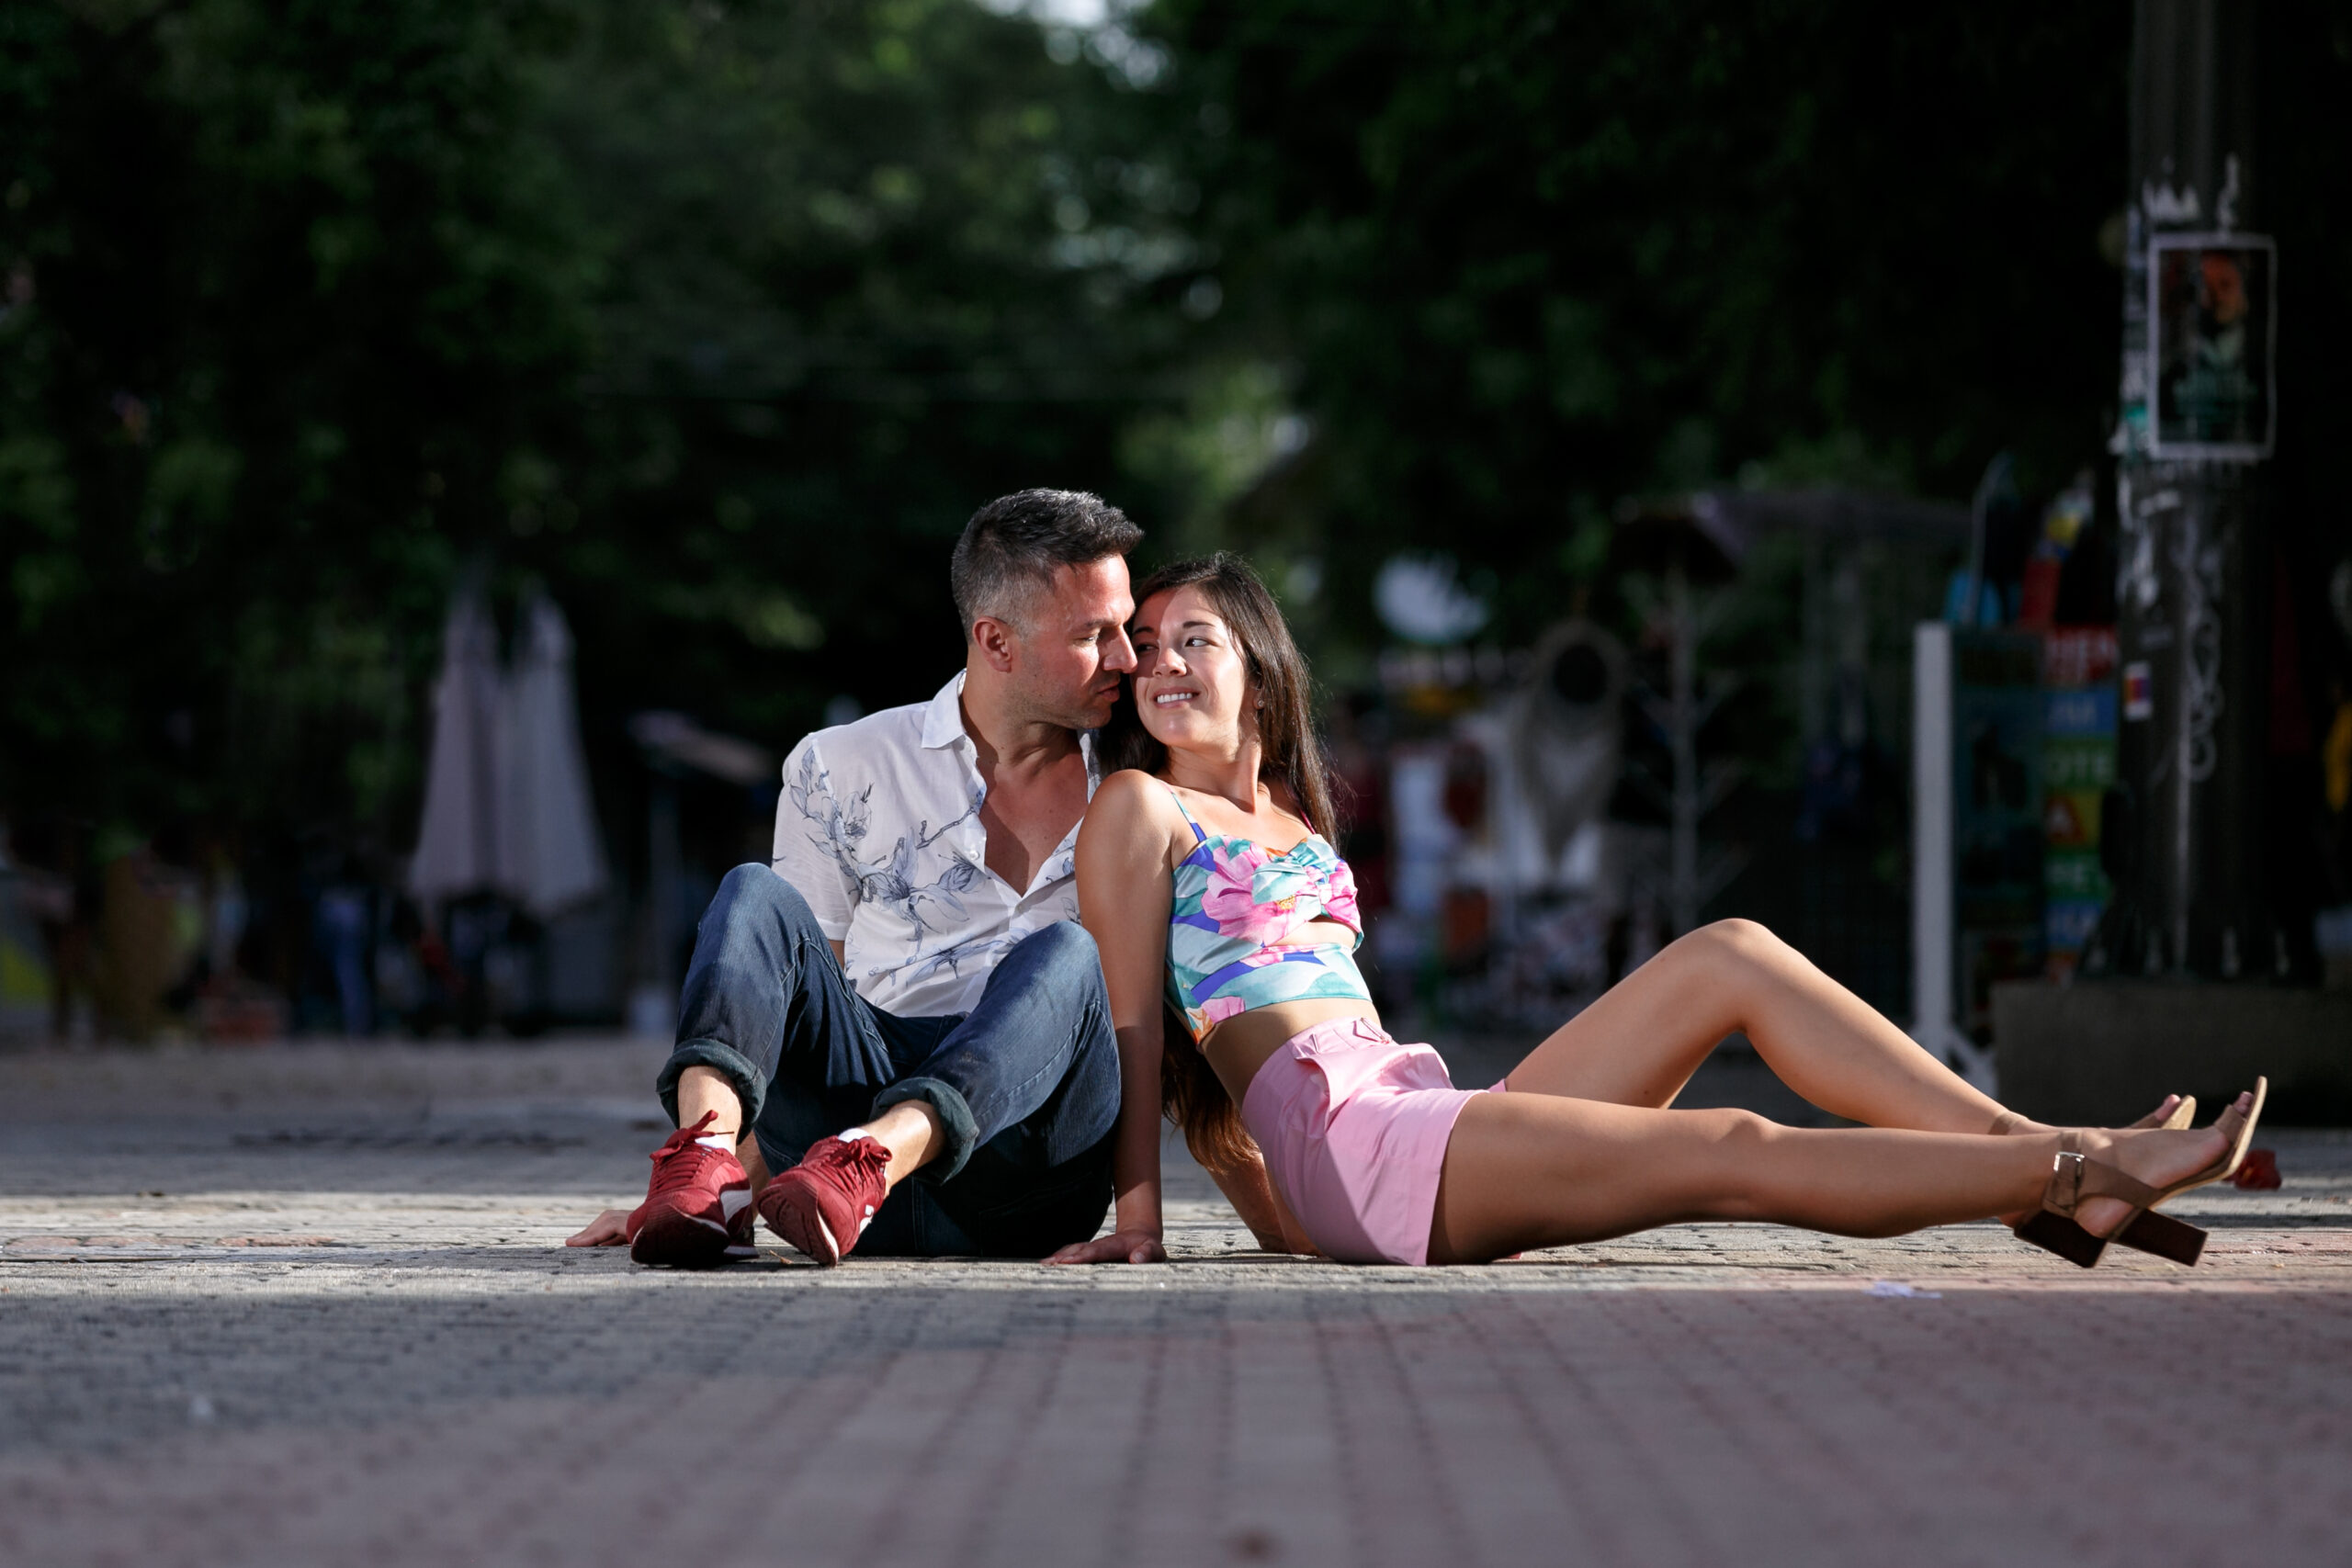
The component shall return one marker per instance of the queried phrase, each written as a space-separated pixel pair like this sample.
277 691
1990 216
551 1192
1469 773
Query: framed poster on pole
2212 346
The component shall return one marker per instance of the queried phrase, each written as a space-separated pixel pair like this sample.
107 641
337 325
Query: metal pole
2192 572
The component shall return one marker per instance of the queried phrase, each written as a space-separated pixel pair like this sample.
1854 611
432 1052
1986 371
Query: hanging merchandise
2064 522
2077 766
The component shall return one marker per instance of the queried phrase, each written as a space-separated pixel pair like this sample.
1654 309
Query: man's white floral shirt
878 828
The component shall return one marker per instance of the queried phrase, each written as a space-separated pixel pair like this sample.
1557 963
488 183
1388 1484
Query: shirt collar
942 721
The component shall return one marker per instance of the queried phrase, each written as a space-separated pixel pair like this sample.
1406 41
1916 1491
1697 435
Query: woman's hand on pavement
1119 1247
607 1229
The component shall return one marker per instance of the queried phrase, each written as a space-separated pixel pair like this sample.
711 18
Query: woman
1207 880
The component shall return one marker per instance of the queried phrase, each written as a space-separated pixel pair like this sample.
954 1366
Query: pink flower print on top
1219 1009
1231 899
1339 900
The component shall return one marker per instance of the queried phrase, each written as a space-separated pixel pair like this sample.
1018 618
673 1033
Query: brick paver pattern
327 1320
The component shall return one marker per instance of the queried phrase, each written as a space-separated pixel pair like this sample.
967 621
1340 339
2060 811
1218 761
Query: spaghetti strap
1198 836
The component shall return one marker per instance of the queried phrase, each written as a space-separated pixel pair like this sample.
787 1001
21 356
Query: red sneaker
824 1203
698 1209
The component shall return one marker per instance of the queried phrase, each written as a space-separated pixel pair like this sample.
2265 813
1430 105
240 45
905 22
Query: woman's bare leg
1539 1170
1640 1041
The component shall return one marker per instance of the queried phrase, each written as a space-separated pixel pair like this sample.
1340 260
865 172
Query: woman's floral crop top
1234 905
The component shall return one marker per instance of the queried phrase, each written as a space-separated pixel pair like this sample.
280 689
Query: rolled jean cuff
720 1058
956 1122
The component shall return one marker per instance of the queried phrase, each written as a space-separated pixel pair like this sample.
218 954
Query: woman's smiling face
1193 686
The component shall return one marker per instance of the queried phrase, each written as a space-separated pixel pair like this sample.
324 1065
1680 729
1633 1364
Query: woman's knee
1750 938
1735 943
1741 1130
1742 1185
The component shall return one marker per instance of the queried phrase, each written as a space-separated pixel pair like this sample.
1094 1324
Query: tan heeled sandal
2056 1232
2008 1122
2074 1176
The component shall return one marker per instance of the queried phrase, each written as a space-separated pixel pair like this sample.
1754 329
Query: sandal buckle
2065 1181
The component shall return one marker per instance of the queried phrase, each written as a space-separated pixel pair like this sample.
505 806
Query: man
906 993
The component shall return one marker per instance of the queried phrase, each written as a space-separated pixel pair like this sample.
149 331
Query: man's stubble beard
1074 719
1034 704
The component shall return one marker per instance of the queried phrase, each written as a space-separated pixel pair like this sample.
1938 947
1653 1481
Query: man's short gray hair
1015 544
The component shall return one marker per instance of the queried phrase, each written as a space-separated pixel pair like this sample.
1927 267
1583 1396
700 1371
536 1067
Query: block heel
2056 1232
2074 1176
2161 1236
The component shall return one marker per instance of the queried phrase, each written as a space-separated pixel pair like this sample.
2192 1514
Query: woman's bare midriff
1237 1048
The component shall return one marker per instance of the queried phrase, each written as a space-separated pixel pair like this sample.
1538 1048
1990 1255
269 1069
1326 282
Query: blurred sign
2138 691
2077 766
2212 333
1997 713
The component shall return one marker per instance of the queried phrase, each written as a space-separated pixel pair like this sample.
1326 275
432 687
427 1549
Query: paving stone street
309 1305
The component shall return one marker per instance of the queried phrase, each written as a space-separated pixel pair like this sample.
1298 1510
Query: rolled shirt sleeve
817 838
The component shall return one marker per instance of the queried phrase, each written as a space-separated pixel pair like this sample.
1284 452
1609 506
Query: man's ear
997 642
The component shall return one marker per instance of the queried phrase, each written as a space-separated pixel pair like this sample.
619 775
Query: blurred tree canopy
720 318
1525 260
282 299
721 315
858 269
1532 258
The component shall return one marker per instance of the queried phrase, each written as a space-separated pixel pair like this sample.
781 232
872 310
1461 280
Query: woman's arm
1123 898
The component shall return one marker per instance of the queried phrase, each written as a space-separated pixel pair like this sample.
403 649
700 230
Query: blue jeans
1027 1083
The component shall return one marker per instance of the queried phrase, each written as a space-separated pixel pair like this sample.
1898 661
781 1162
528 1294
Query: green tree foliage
860 267
283 300
719 317
1529 258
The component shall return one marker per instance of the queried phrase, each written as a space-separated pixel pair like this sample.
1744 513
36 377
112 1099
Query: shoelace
863 1151
681 1142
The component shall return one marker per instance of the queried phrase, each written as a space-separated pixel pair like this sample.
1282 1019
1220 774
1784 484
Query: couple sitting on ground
899 1038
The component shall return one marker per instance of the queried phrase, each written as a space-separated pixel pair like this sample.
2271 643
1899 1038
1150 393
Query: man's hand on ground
607 1229
1120 1246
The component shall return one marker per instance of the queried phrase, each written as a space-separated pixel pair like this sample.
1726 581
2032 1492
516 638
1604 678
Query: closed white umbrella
457 845
550 856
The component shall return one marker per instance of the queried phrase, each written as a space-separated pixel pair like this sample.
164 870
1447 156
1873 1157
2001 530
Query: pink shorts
1353 1127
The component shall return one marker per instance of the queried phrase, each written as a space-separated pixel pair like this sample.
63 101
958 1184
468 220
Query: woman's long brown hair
1191 1095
